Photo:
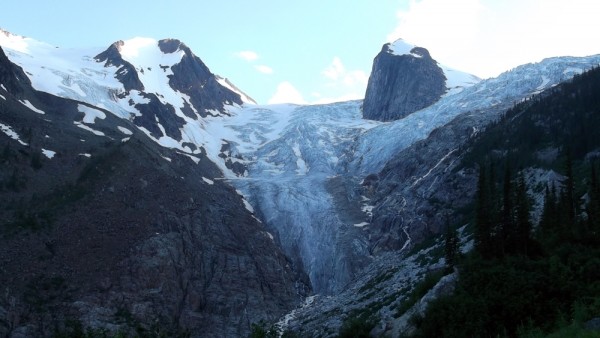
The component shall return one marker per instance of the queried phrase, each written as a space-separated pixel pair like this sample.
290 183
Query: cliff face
404 79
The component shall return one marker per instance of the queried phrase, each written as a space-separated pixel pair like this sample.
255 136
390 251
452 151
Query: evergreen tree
507 228
593 207
569 186
522 211
565 207
547 226
452 248
482 217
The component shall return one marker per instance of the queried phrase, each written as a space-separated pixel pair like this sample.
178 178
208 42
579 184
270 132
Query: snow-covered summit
159 85
16 42
401 47
455 79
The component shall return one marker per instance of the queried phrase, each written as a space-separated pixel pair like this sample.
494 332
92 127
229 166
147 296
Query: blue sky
319 51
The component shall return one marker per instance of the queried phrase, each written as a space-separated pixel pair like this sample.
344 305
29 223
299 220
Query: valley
208 212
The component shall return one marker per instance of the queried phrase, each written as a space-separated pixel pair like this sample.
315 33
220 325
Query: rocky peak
126 73
404 79
169 46
193 78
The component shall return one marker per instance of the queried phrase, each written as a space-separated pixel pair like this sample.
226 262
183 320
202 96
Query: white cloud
286 93
335 70
247 55
264 69
339 75
486 37
342 84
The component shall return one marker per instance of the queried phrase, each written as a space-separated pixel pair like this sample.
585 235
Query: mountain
405 78
163 195
429 180
103 227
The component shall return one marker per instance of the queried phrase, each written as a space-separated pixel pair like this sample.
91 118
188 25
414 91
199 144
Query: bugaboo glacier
301 169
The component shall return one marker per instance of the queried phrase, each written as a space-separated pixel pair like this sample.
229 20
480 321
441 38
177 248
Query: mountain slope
102 226
433 181
554 132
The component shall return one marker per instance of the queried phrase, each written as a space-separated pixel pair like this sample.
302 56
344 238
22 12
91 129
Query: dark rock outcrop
12 76
155 112
402 84
126 73
193 78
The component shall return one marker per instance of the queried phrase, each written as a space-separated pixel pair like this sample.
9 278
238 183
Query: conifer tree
593 207
569 186
523 225
452 247
507 229
482 217
547 225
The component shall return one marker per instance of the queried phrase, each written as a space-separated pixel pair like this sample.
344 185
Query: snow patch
9 132
208 181
2 96
85 154
401 47
90 114
368 209
83 126
194 158
225 83
302 168
2 86
284 322
456 80
125 130
362 224
28 104
49 153
545 81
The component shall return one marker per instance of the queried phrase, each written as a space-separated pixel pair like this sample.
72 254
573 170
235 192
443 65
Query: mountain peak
13 41
401 47
169 46
405 78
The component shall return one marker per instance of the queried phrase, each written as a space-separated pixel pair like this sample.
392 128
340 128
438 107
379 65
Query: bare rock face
404 79
12 76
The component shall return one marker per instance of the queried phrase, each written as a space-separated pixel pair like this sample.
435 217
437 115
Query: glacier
305 163
295 158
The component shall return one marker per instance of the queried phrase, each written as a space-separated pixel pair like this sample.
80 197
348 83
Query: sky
321 51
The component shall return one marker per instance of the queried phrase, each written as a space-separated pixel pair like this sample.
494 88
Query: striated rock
404 79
